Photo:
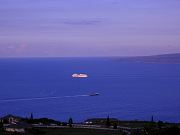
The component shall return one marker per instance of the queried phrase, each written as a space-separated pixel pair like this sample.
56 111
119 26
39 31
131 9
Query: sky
83 28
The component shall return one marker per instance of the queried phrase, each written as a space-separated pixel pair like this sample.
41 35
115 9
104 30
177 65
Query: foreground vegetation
72 131
95 126
84 131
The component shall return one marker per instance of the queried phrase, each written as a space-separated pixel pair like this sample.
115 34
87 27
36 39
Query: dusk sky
67 28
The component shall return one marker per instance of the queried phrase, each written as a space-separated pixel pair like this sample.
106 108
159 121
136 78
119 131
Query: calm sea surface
128 90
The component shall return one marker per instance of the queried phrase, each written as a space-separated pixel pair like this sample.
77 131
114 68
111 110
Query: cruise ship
79 75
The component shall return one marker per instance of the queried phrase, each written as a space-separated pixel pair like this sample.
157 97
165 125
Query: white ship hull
79 75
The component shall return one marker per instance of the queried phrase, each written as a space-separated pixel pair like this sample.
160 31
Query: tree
152 119
1 125
108 124
31 116
160 124
70 122
115 125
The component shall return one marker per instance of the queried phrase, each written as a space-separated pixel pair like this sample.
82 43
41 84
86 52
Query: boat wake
40 98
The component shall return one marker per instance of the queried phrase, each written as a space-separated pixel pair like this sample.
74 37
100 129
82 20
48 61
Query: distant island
164 58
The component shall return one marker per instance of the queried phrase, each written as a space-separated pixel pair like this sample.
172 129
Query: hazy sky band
88 27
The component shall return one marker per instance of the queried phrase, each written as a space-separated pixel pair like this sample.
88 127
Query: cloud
17 48
115 2
10 47
82 22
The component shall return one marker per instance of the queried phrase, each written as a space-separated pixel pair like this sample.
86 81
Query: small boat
94 94
79 75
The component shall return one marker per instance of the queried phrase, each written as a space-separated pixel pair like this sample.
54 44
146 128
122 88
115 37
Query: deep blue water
128 90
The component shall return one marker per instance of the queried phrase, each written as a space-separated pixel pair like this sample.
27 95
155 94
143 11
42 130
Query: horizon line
120 56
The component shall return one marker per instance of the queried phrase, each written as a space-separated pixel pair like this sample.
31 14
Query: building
14 124
10 119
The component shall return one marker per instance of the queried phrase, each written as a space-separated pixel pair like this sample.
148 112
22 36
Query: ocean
127 90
